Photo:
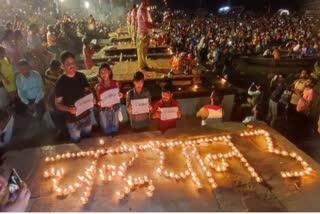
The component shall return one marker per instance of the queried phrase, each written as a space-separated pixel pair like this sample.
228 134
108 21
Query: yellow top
6 70
276 54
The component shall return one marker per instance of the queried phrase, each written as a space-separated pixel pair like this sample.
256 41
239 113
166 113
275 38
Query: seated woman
212 112
109 115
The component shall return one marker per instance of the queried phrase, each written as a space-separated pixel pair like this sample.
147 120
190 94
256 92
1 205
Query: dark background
250 4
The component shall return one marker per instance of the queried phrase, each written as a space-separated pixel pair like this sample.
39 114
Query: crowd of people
216 39
40 30
30 44
284 105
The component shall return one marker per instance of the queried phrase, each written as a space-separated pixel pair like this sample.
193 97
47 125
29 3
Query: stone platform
236 189
125 70
126 51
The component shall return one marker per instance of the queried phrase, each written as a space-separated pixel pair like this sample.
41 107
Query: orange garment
175 63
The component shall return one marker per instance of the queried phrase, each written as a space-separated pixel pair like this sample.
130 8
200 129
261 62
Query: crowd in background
33 40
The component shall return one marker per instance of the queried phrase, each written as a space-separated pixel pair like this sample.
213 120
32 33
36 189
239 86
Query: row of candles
126 149
189 150
204 168
285 174
87 179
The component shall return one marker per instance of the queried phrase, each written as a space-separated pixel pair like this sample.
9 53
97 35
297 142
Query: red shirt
102 86
166 124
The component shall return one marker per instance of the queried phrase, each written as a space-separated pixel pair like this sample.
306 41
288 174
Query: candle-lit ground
235 189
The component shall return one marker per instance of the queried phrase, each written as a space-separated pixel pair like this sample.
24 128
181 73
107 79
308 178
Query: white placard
169 113
140 106
84 104
110 97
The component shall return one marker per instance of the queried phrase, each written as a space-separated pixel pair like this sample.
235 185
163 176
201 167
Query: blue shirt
30 88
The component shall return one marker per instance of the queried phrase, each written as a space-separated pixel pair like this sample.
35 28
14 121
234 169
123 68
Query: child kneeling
167 102
109 115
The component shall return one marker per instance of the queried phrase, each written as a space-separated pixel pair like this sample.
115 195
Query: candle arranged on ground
199 168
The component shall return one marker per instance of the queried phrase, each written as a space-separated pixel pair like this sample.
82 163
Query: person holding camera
254 92
20 204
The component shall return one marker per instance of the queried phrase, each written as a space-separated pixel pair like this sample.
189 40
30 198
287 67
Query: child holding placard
138 102
167 110
108 95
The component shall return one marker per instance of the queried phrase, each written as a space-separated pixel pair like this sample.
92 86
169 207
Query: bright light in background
284 12
61 1
87 4
224 9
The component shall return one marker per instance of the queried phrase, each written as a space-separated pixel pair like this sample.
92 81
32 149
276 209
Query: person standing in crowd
298 87
91 23
276 56
8 43
144 24
212 112
6 127
213 56
279 85
304 103
21 44
34 38
52 40
303 108
166 101
255 92
129 21
134 24
38 56
138 121
71 87
20 204
7 76
30 89
87 53
109 116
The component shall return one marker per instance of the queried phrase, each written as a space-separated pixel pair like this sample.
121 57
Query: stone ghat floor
236 191
126 69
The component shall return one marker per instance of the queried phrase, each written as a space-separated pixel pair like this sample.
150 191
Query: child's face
105 74
25 69
138 85
166 96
